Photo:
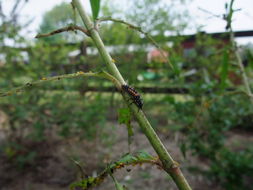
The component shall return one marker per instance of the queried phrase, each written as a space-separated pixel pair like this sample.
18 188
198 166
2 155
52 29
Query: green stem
235 49
169 164
139 29
29 85
240 64
98 42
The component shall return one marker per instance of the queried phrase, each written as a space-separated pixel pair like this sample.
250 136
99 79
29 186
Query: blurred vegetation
206 118
55 19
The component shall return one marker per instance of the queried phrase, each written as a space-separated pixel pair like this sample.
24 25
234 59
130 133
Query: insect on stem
134 95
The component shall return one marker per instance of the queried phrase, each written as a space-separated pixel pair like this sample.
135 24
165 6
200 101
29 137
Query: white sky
243 19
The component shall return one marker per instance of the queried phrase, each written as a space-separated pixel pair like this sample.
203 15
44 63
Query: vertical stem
98 42
235 49
169 164
240 64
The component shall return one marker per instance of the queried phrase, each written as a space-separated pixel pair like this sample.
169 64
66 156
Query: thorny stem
228 19
97 40
169 164
235 49
112 167
29 85
240 64
65 29
137 28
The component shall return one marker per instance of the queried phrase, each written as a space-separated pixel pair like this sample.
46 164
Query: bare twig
29 85
210 13
139 29
83 174
14 8
65 29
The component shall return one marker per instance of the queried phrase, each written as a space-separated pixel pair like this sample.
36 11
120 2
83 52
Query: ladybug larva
135 96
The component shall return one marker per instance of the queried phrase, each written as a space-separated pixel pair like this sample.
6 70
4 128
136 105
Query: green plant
168 164
203 120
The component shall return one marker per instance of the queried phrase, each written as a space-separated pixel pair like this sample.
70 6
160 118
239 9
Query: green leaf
224 69
139 156
84 184
95 6
176 68
183 149
142 155
125 118
127 158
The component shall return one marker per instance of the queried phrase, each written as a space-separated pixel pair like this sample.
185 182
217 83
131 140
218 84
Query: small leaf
142 155
127 158
224 69
95 6
124 116
183 149
84 184
175 66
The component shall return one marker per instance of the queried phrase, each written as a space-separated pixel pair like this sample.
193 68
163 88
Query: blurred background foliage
209 117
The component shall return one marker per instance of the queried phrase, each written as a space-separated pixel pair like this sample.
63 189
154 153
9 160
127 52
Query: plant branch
240 64
83 174
210 13
98 42
228 18
139 29
29 85
65 29
127 160
169 165
235 49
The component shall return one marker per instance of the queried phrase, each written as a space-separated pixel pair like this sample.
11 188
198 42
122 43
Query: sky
243 18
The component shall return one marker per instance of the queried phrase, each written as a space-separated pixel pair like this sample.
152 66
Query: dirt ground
54 168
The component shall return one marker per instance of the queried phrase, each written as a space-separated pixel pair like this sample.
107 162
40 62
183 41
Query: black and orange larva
135 96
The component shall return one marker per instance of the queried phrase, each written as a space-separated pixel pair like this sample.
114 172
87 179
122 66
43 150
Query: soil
53 167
